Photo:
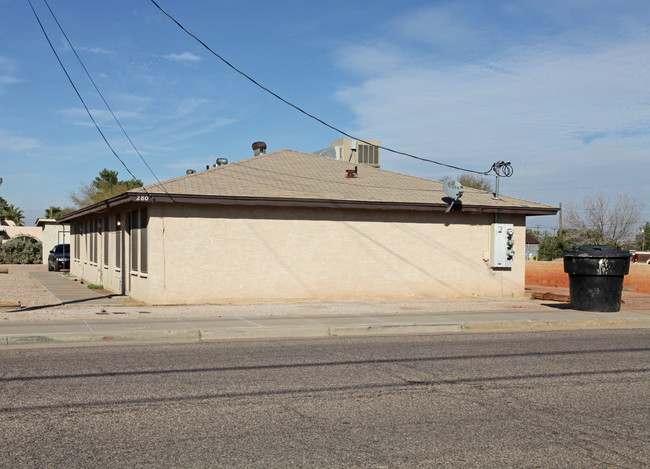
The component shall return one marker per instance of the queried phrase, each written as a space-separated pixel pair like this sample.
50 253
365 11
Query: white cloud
556 106
6 65
370 59
96 50
80 117
10 143
189 105
188 129
522 99
184 57
7 69
7 80
447 26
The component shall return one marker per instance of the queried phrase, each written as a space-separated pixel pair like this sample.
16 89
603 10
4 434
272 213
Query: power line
102 96
77 92
299 109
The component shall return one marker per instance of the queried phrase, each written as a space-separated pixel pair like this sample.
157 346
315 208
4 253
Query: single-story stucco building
292 225
53 233
9 230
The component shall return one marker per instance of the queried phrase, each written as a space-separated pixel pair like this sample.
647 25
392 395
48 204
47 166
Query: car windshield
62 249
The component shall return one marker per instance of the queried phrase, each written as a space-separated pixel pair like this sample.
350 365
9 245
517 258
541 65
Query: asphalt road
555 399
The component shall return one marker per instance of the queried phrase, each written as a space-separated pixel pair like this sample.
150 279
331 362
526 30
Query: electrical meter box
502 245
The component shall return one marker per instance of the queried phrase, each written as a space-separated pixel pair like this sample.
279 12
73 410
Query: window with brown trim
105 235
96 233
144 221
76 233
134 239
88 243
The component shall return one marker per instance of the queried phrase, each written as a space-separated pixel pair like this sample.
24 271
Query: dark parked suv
59 258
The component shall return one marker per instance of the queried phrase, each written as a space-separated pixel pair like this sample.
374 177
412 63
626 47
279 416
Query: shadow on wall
551 274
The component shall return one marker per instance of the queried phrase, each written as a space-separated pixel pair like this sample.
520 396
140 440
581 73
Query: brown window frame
76 233
133 226
144 258
106 243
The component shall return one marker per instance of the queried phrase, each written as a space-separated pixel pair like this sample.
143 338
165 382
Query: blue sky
559 88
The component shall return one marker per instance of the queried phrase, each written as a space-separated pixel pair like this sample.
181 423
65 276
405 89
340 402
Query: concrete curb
541 325
234 333
326 331
77 339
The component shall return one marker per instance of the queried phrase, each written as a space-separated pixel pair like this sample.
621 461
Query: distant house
9 230
532 248
53 233
289 225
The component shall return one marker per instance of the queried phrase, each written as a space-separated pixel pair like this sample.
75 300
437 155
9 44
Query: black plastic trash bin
596 276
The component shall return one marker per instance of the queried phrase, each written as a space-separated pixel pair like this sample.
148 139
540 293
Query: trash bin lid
597 251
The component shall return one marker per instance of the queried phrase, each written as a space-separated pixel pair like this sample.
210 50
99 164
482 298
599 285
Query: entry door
122 252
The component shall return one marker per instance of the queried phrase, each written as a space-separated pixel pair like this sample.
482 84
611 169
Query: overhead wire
83 102
312 116
104 99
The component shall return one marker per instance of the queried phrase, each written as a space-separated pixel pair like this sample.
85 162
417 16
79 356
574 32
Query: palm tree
9 212
57 212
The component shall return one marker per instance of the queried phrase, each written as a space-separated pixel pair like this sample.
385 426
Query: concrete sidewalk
204 329
88 318
69 291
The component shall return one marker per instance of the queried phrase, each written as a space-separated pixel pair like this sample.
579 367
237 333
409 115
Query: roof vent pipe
259 148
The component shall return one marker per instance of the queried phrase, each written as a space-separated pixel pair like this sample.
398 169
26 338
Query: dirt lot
19 285
38 304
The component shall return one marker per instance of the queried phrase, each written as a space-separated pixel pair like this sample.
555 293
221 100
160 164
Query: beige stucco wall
12 231
99 273
211 254
53 234
242 253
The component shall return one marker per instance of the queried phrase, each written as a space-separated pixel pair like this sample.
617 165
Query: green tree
103 187
551 246
601 222
57 212
476 181
9 212
21 250
642 242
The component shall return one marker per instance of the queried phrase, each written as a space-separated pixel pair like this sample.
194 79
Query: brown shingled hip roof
292 178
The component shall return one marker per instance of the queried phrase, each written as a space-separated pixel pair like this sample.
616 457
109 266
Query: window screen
144 221
134 239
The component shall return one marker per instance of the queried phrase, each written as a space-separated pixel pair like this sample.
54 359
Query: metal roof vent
190 171
259 148
222 161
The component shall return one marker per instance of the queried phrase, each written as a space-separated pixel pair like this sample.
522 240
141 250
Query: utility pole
559 231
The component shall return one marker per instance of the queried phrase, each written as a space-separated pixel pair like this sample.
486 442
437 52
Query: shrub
21 250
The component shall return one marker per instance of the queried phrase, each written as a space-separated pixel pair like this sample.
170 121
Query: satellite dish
454 191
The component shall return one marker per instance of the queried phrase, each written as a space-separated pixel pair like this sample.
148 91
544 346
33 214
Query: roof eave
130 197
99 207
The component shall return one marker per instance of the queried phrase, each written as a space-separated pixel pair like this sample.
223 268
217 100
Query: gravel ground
37 304
19 285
